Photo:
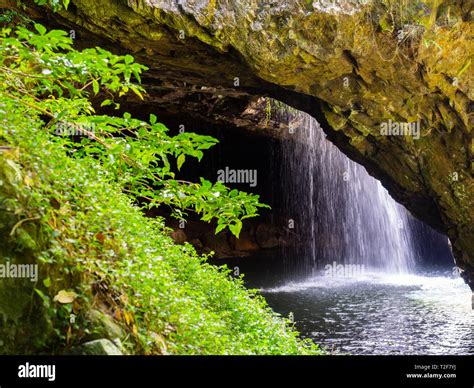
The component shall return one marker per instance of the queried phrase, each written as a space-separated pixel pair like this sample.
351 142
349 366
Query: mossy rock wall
24 325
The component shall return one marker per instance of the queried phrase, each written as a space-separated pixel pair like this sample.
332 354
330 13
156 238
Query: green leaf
41 295
180 161
220 228
135 90
61 114
95 86
40 28
137 76
235 228
47 282
106 102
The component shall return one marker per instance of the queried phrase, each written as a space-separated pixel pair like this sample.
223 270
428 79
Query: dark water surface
373 313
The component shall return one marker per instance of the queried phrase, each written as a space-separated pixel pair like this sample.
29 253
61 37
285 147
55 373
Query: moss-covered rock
105 326
100 347
24 323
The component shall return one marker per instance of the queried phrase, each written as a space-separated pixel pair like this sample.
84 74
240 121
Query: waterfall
346 215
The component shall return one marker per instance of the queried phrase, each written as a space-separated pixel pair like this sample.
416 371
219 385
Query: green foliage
42 72
100 247
56 5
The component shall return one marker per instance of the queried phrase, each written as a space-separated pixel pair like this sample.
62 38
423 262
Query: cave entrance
325 208
353 269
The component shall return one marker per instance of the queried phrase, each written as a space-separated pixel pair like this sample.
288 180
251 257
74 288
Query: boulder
100 347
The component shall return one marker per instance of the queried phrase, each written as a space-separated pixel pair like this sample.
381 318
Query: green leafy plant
94 246
40 70
56 5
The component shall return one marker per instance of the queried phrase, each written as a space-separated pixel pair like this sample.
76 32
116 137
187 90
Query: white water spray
345 214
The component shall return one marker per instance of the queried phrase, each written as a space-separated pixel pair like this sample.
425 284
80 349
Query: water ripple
381 314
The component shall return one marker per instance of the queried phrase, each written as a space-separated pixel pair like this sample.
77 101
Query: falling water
337 213
348 217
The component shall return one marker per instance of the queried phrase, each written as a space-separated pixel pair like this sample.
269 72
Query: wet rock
245 242
24 323
104 326
267 236
100 347
219 244
196 243
179 236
